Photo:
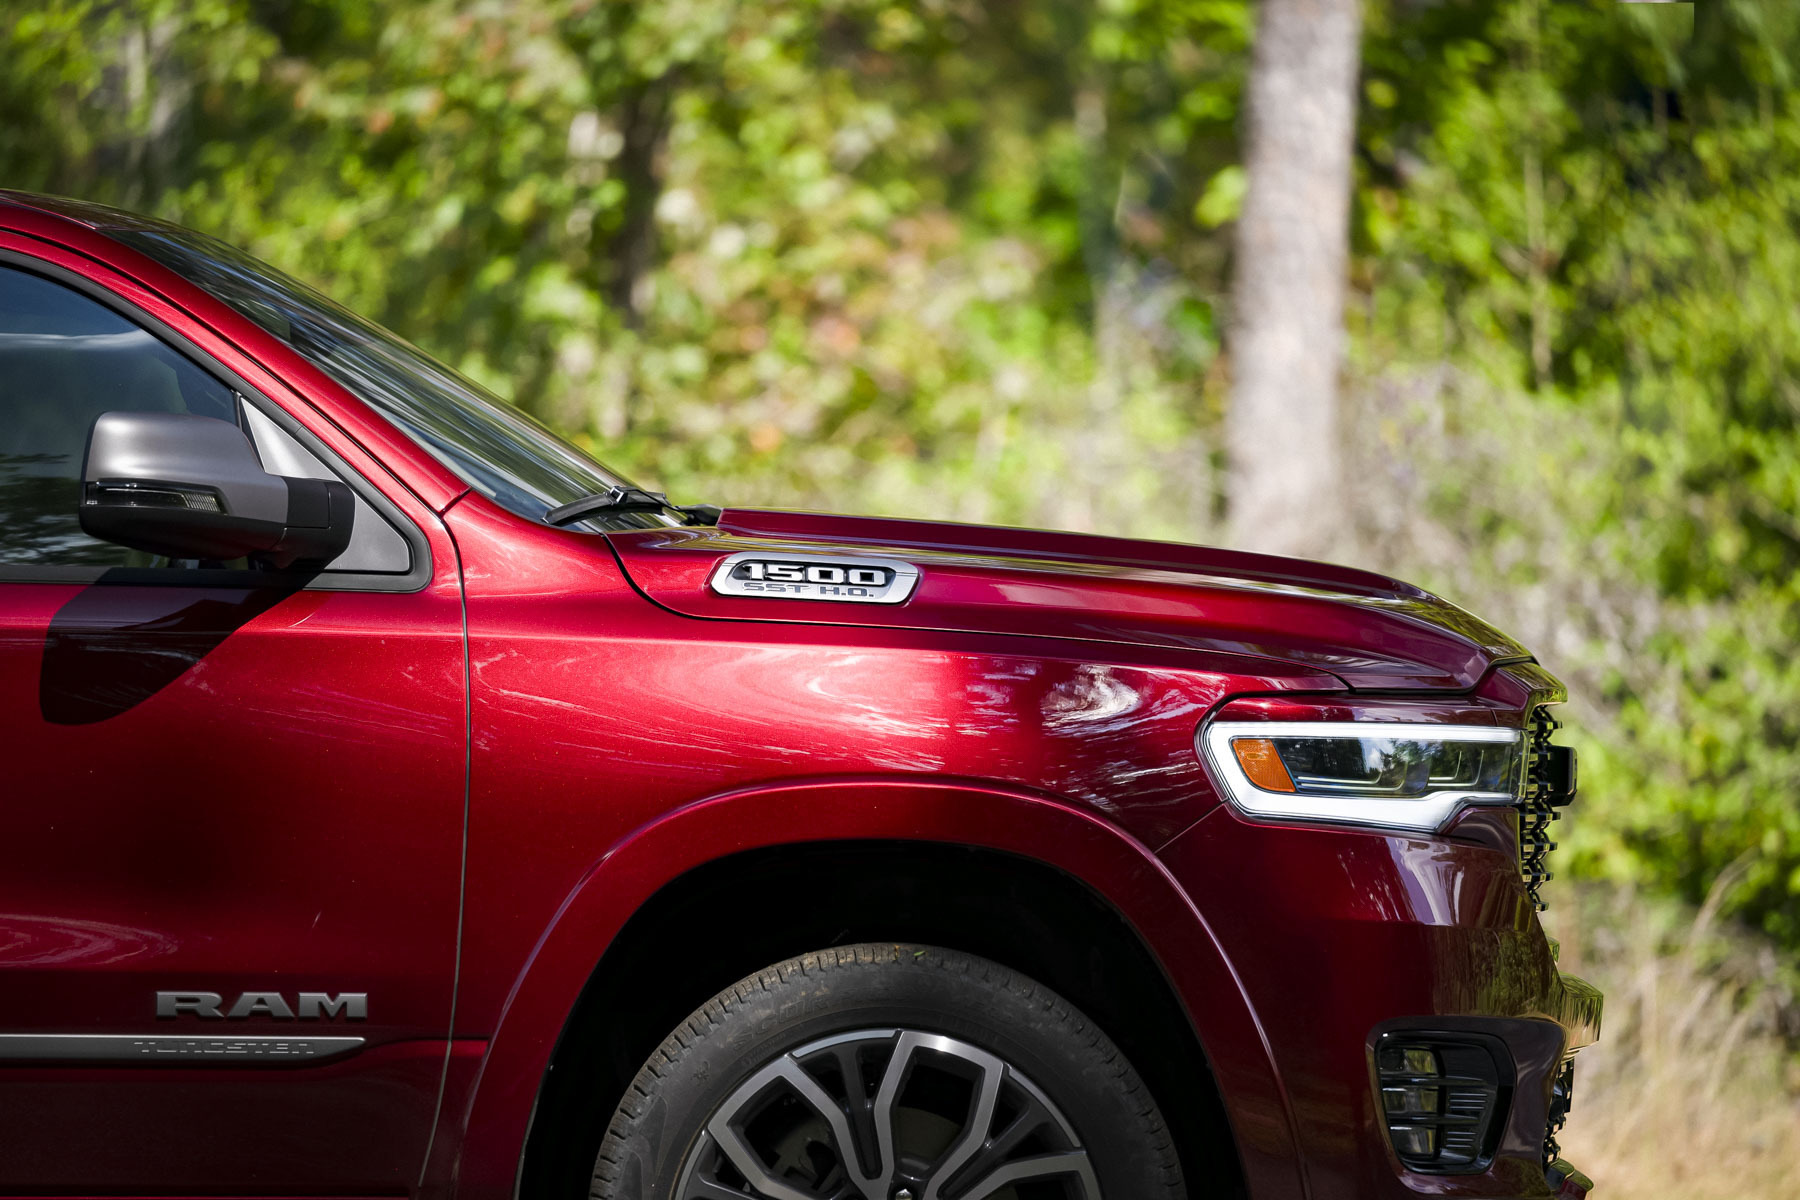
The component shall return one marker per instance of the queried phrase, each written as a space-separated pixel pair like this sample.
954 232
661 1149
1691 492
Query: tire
991 1087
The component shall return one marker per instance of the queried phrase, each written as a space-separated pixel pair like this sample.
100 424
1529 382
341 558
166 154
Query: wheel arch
1028 880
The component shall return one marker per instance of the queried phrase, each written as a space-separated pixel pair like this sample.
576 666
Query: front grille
1562 1095
1549 785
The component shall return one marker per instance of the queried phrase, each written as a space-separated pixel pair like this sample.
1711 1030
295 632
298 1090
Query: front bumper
1341 935
1579 1011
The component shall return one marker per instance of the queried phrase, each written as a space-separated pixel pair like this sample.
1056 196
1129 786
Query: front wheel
887 1072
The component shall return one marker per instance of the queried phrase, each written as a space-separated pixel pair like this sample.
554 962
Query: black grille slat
1443 1097
1466 1104
1545 792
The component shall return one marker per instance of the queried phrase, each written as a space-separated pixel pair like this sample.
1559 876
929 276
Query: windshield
496 449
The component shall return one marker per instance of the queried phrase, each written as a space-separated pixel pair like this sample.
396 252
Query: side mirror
192 487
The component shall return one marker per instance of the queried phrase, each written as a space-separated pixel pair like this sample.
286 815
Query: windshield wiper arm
622 499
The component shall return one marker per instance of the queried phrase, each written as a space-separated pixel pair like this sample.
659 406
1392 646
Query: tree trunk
1286 478
630 251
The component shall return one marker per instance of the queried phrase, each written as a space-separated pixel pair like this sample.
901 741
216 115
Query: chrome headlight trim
1425 814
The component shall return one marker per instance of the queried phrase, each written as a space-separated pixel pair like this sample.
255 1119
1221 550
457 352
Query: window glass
492 446
64 360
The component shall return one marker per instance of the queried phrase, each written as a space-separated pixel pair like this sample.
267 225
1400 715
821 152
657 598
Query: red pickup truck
404 804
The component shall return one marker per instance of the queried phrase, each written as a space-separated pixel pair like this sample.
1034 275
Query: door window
64 360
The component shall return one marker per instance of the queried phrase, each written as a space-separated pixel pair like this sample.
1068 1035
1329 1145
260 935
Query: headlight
1364 772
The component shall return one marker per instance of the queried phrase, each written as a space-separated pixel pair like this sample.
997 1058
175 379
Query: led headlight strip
1391 775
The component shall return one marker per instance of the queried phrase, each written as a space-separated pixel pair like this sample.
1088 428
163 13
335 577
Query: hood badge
845 578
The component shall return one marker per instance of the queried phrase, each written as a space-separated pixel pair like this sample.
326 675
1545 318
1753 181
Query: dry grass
1693 1092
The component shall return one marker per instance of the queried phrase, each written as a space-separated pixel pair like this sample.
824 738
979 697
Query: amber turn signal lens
1262 764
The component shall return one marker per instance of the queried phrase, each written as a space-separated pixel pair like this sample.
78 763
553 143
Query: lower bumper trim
1566 1183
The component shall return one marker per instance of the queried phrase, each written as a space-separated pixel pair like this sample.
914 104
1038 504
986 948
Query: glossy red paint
232 790
195 812
677 741
1367 631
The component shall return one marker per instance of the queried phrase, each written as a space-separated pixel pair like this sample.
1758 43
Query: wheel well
729 918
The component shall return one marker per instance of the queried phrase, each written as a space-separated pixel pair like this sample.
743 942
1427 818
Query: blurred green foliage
1597 208
968 259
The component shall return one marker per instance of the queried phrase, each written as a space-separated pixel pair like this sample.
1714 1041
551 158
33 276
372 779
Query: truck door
232 816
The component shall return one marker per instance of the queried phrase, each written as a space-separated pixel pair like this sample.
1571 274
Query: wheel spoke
725 1130
979 1121
745 1160
893 1080
1071 1164
1002 1145
698 1187
848 1056
788 1133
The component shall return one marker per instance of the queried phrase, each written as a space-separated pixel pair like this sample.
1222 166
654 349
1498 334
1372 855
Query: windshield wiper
622 499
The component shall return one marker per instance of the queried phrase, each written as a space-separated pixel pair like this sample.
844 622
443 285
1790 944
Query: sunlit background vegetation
971 259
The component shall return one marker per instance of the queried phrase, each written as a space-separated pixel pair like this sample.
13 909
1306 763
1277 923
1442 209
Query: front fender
968 813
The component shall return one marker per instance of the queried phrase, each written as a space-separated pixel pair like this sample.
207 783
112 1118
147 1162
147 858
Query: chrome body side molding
170 1048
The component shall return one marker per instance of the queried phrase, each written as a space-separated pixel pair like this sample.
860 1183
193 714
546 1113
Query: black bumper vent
1443 1097
1549 785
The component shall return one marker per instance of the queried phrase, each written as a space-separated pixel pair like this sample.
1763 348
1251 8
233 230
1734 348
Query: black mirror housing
193 487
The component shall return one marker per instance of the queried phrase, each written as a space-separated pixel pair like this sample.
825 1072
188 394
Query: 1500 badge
847 579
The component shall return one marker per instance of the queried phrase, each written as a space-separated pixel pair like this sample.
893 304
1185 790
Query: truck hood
1369 631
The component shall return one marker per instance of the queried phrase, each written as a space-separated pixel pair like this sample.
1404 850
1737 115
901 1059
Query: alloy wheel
888 1114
